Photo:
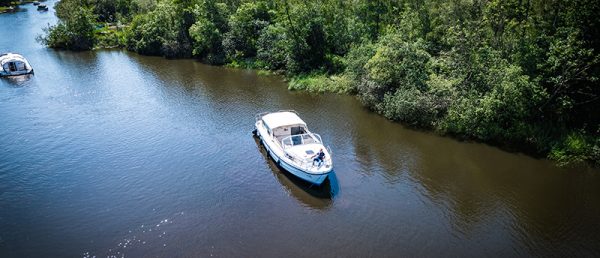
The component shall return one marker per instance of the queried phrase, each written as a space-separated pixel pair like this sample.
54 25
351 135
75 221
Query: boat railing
300 139
308 162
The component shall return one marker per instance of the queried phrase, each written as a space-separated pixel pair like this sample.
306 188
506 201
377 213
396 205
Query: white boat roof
283 118
11 57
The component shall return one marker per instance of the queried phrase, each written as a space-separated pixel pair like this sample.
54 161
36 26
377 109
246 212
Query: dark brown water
111 153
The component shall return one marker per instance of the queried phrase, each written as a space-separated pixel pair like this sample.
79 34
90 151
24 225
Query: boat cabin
283 124
14 64
288 129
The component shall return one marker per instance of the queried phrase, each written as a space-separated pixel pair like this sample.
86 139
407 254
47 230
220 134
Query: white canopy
285 118
10 57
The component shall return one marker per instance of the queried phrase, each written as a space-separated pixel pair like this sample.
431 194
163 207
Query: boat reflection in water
17 81
312 196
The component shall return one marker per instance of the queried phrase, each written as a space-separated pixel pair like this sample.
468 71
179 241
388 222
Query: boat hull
311 178
315 179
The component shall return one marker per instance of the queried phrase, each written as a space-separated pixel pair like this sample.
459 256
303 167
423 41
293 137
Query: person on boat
319 157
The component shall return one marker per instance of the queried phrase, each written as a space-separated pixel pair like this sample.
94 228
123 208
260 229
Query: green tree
245 27
395 64
207 32
75 31
156 33
272 47
306 46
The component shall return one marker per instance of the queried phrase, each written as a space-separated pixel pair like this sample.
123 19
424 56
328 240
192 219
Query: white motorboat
293 147
14 64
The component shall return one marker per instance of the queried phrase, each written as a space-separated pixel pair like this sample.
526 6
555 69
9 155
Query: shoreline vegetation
7 6
519 74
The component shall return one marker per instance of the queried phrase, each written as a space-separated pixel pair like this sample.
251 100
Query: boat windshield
300 139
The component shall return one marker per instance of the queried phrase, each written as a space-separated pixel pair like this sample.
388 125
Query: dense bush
397 64
208 29
516 73
245 27
501 110
576 148
159 32
271 47
76 32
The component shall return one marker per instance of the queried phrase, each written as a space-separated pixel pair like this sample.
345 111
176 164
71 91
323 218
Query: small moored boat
14 64
42 7
293 147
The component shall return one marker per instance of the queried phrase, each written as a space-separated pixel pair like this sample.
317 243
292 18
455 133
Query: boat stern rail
308 164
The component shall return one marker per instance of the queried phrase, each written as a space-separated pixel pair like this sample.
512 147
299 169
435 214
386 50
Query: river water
111 153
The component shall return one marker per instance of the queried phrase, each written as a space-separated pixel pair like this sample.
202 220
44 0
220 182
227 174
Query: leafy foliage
516 73
207 31
245 27
76 32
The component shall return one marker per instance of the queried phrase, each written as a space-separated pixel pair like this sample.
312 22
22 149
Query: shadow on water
318 197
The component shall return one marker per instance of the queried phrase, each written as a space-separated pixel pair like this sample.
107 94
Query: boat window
297 130
287 142
292 141
266 127
20 66
300 139
297 140
12 67
306 138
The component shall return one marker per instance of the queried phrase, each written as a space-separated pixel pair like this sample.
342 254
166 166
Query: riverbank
5 9
8 9
467 74
12 6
